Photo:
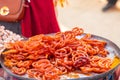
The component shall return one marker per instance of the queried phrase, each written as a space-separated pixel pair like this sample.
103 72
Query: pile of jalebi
47 57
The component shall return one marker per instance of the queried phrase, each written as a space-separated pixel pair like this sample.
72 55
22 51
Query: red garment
39 18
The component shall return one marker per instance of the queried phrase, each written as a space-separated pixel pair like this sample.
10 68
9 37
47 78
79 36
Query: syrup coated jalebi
47 57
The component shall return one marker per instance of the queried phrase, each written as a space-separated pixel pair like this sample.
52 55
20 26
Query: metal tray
113 49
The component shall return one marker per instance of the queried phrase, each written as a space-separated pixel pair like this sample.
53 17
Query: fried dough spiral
47 57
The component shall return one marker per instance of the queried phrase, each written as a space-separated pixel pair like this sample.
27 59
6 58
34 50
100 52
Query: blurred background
88 15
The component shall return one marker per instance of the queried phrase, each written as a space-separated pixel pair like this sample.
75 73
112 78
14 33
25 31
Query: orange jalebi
47 57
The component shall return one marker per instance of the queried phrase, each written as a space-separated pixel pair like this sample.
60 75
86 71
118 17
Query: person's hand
61 2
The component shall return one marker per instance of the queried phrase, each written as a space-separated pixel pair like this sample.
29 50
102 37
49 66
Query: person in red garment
39 18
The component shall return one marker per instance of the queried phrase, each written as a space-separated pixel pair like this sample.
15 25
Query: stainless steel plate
111 47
